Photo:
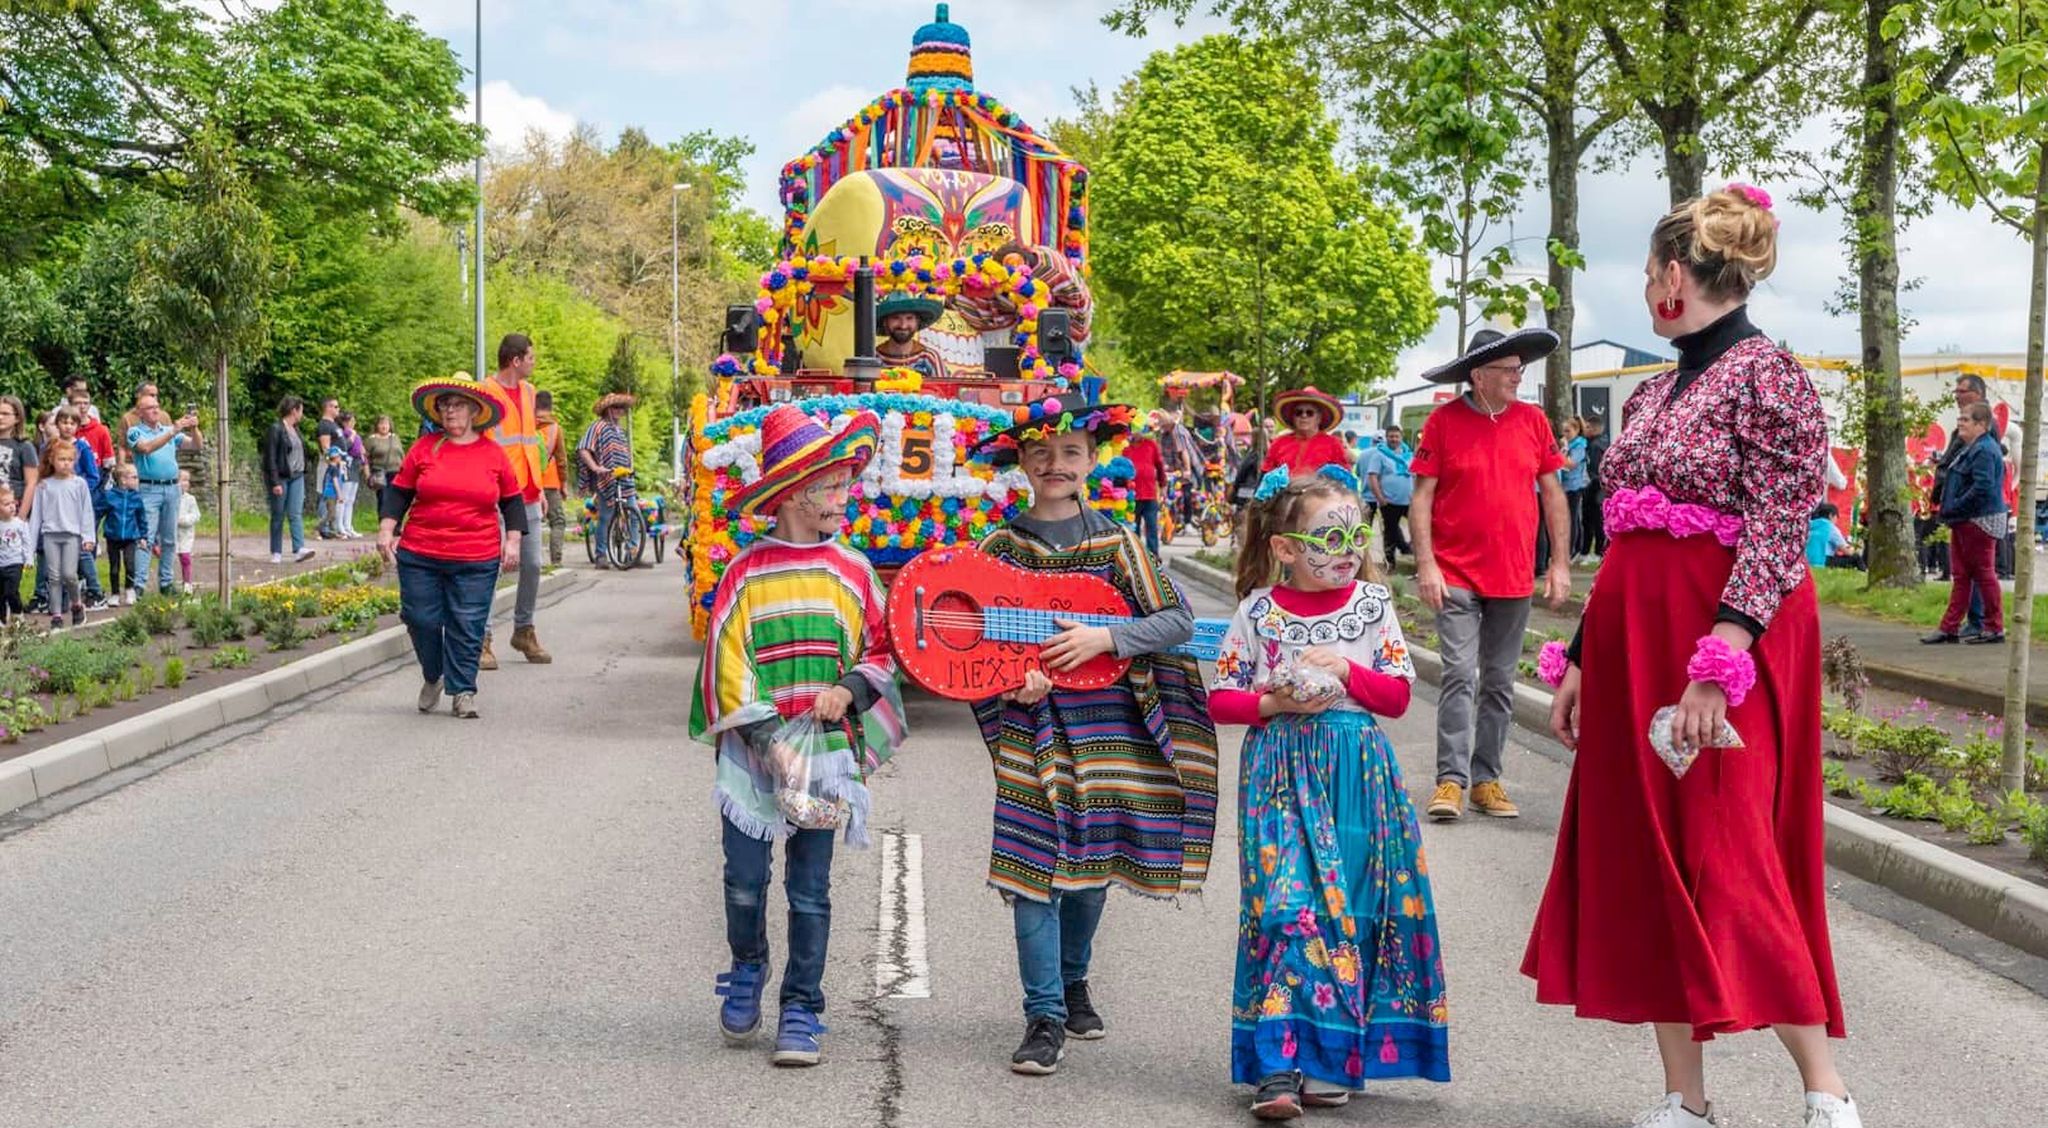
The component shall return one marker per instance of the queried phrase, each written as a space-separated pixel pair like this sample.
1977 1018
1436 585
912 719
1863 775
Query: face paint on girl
1315 568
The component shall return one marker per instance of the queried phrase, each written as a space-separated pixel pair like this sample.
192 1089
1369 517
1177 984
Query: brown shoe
528 643
1490 798
487 660
1448 803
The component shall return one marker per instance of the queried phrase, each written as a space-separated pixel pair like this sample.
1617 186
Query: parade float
937 200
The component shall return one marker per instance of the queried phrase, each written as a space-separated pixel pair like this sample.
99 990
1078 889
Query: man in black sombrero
1484 461
901 317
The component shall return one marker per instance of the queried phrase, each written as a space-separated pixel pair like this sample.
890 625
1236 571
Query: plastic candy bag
796 749
1679 760
1303 681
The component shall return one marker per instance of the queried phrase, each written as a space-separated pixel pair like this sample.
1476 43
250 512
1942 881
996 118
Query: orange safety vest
550 466
517 433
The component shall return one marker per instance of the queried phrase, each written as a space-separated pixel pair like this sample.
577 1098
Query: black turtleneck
1698 350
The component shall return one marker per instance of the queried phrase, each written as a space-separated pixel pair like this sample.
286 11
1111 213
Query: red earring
1671 309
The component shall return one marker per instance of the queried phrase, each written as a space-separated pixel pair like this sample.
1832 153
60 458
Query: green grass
1920 606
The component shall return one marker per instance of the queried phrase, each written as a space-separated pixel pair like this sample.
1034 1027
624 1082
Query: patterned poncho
1113 785
788 622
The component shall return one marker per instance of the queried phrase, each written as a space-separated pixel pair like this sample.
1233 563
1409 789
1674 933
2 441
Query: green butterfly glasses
1335 539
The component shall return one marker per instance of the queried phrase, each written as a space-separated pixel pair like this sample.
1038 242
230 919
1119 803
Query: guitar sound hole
955 620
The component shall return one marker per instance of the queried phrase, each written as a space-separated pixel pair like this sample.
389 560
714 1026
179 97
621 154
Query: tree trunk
1893 556
223 476
1562 139
2019 613
1685 154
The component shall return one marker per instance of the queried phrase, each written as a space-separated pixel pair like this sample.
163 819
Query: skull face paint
1314 567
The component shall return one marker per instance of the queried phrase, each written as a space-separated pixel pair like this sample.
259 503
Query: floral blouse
1747 437
1362 628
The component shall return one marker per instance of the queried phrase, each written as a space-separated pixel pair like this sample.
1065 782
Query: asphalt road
360 916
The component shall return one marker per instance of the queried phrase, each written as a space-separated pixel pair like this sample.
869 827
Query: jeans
126 555
558 524
60 560
160 507
444 605
1055 941
289 504
1391 516
1972 554
529 569
1148 520
749 866
1575 507
1481 640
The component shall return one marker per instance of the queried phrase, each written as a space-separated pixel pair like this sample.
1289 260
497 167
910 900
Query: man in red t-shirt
1484 462
1144 454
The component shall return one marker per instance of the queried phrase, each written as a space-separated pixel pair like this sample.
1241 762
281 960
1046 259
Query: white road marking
902 970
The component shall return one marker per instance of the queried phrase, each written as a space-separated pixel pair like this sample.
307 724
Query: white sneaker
277 558
128 597
188 587
1824 1110
1672 1113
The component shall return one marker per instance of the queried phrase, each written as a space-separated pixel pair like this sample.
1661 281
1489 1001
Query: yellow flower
1345 961
1269 856
1277 1004
1317 952
1333 899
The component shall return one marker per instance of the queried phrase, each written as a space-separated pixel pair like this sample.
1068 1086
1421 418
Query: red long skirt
1699 900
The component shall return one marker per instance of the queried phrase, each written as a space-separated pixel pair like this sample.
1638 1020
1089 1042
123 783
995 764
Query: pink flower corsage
1551 664
1752 193
1713 660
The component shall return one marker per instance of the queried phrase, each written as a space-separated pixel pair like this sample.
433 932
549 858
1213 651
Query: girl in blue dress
1339 976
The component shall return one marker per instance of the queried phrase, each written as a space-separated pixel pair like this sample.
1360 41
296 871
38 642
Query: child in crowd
349 477
127 528
15 544
1825 541
796 631
1093 787
188 527
1339 973
63 522
63 427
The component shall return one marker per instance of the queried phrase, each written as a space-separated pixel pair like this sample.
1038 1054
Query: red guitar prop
967 626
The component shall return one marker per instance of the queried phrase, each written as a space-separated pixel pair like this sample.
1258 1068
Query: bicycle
626 534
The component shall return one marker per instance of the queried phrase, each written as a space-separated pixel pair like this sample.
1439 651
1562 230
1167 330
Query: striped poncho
788 622
1099 786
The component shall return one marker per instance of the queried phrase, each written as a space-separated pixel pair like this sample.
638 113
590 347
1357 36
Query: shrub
1912 799
123 688
127 630
1835 779
20 714
145 676
2034 830
213 624
158 614
1954 807
174 672
1899 751
69 664
232 657
1841 667
285 634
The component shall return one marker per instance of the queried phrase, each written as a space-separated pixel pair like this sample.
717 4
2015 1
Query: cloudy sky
784 72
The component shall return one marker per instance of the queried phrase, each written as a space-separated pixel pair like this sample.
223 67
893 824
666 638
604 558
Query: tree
1904 63
1544 58
1230 237
202 281
1990 146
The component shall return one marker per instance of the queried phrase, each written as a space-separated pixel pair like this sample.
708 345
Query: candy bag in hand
795 749
1301 680
1679 760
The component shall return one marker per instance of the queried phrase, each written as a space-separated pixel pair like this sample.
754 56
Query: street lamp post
675 324
477 241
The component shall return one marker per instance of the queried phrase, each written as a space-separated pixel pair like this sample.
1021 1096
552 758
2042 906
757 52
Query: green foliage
20 713
128 630
1836 781
71 664
174 672
232 657
1912 799
1227 234
157 614
1899 752
284 632
211 624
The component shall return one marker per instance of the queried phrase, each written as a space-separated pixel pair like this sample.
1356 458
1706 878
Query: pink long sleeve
1382 694
1234 707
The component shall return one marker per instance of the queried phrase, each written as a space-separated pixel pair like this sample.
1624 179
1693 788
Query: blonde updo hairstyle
1727 242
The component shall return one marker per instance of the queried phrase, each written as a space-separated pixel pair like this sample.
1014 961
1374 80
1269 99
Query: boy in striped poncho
796 631
1093 787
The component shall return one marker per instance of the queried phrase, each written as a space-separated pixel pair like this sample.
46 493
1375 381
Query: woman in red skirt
1697 901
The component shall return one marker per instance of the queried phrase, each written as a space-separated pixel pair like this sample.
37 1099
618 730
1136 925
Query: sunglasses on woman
1335 539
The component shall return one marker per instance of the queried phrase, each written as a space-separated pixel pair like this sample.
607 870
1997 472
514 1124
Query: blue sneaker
740 1015
796 1043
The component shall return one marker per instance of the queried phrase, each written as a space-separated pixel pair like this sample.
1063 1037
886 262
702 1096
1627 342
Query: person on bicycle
604 463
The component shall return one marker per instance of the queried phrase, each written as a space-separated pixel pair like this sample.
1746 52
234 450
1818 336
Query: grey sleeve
863 690
1154 634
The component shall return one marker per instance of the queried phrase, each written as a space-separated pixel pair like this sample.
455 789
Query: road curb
2006 908
68 763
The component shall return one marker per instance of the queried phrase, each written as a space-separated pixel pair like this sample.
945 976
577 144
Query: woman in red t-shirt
1309 446
455 492
1150 467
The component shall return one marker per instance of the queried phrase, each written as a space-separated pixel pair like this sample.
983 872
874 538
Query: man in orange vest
518 433
551 457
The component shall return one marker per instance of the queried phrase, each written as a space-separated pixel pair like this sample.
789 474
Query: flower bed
56 684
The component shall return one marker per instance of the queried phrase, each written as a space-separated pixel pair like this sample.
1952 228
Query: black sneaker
1043 1047
97 603
77 614
1082 1021
1940 638
1278 1098
1984 639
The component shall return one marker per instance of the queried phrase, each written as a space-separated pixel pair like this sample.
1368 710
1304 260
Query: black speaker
742 330
1055 336
1000 361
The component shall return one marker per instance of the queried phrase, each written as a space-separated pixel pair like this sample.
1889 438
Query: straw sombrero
1056 415
613 399
795 449
428 392
1285 403
1489 345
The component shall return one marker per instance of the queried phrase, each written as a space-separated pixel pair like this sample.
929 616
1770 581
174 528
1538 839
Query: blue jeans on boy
445 605
1148 521
1055 941
749 865
289 504
160 510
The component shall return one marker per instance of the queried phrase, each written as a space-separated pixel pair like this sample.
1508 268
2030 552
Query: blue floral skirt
1338 970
